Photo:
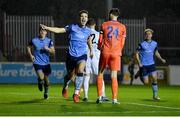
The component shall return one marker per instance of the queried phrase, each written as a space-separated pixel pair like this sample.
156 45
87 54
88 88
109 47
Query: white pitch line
148 105
130 103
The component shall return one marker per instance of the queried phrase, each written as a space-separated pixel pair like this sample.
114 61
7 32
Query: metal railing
18 31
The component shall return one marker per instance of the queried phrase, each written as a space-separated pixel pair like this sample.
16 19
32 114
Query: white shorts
92 65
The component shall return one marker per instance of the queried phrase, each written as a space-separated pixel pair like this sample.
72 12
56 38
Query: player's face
42 33
148 35
83 19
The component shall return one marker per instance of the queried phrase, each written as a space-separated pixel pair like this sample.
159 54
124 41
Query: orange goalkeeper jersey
112 37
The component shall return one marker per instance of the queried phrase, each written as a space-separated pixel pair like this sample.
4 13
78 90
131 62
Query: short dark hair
114 11
91 22
83 11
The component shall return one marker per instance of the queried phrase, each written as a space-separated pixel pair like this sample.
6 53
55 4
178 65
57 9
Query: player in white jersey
92 63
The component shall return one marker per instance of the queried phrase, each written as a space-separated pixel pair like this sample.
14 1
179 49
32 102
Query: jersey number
93 38
112 32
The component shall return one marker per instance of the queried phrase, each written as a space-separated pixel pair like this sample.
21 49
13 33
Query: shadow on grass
29 101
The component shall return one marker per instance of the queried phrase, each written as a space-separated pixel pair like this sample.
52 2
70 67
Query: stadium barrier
174 75
162 75
24 73
17 31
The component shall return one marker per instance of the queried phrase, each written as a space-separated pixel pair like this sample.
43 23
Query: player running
145 57
79 36
43 47
111 43
92 63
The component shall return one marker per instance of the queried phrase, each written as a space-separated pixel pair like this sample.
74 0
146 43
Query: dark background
156 12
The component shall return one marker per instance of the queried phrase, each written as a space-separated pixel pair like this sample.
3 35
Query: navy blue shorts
72 62
46 69
148 70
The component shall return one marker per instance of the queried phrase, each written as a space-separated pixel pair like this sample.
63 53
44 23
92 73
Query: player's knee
41 77
146 81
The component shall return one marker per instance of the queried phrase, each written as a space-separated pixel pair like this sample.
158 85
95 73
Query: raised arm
53 29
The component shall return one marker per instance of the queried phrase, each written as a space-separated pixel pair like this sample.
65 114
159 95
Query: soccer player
111 43
145 57
79 36
92 63
43 47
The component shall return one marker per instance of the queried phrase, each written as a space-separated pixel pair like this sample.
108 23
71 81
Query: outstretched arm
53 29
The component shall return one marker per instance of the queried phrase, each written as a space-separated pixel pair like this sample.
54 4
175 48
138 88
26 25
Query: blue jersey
146 52
40 54
77 39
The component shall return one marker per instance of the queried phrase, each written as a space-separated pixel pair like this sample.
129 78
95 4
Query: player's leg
81 63
114 65
146 79
46 87
95 66
102 65
153 74
70 67
155 87
87 76
67 80
114 87
40 75
139 74
100 85
47 72
132 77
86 86
104 98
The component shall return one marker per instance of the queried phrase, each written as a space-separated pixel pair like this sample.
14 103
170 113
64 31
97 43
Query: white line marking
130 103
148 105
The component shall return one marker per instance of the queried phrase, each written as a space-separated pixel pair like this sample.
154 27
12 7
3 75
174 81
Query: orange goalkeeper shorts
110 60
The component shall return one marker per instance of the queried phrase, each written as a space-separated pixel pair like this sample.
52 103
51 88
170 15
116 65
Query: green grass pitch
135 100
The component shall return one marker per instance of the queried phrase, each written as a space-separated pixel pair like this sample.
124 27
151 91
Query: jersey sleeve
139 48
51 44
156 47
68 28
100 41
124 31
123 36
30 43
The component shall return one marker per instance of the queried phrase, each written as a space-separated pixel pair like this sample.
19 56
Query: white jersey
92 64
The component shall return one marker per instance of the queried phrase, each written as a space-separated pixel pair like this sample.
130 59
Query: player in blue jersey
42 48
79 41
93 63
145 57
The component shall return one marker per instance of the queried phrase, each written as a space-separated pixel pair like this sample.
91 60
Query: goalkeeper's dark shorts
147 70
